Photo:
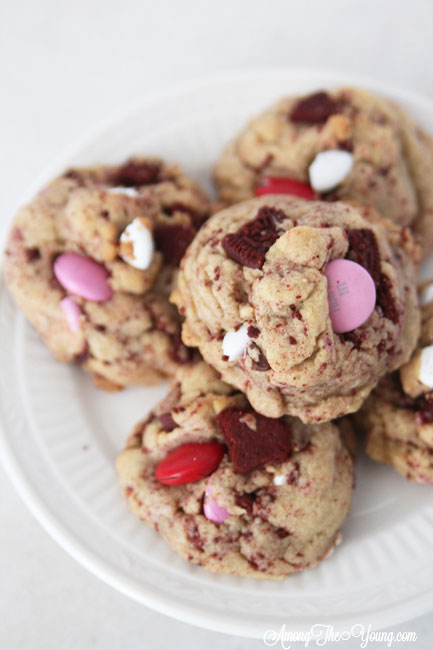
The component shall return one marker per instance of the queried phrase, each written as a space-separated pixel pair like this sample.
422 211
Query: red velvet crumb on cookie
172 241
135 173
267 440
314 109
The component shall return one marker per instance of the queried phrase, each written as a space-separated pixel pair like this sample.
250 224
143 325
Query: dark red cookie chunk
246 501
135 173
180 352
172 241
314 109
253 332
167 422
364 249
385 299
261 363
269 442
249 245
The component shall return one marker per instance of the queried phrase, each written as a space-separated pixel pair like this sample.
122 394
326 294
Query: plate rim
387 615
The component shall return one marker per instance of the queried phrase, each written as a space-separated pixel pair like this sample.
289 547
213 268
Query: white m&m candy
235 343
426 366
136 244
125 191
329 169
426 295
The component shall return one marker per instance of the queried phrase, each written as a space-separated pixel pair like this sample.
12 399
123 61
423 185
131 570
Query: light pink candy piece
351 295
82 277
213 511
72 313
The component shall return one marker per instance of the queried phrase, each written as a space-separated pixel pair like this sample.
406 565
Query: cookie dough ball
253 290
91 260
398 418
383 158
269 503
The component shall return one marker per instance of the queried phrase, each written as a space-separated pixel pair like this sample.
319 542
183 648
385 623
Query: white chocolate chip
426 295
235 343
126 191
329 168
136 244
280 479
426 366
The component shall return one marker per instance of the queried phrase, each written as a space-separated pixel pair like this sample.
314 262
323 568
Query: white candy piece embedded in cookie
280 479
136 244
329 169
426 366
426 295
126 191
235 343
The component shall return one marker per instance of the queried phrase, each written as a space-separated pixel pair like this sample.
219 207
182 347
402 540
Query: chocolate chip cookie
234 491
347 144
91 259
398 418
254 292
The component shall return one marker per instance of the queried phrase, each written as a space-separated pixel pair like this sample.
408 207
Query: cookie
398 418
253 288
91 260
348 144
234 491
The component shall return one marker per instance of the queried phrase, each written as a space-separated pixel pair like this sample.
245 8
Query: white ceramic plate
60 436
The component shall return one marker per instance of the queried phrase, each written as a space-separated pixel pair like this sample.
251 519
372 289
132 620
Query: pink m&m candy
351 295
82 277
213 511
72 313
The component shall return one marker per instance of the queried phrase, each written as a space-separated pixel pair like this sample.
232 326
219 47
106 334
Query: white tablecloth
64 67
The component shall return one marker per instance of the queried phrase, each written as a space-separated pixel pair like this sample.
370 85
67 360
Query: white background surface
63 68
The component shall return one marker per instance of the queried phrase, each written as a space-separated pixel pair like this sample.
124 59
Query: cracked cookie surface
133 337
280 517
256 270
393 156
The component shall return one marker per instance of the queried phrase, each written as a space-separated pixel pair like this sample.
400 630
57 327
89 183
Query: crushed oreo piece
249 245
364 250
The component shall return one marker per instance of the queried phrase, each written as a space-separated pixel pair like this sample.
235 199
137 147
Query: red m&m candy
189 463
284 185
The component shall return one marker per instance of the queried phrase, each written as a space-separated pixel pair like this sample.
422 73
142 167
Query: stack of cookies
285 316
